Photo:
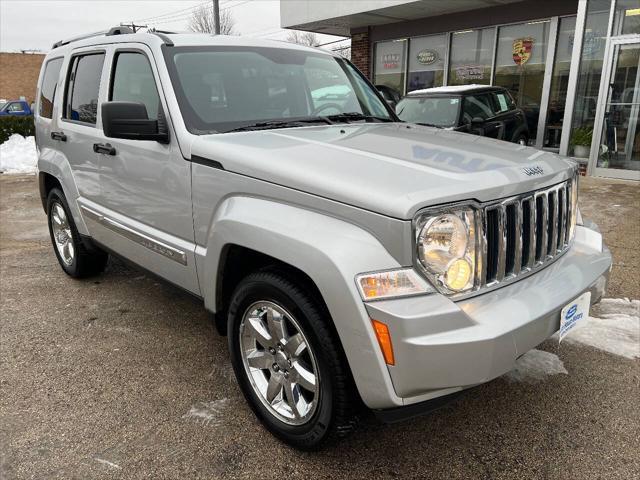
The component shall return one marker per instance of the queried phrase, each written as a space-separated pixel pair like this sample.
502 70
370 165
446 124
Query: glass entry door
618 152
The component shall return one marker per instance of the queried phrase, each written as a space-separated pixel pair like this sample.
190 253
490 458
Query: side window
133 81
15 107
83 87
502 102
476 106
48 87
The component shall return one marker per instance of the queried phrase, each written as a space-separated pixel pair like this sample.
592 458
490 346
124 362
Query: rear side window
15 107
48 87
83 88
502 102
133 81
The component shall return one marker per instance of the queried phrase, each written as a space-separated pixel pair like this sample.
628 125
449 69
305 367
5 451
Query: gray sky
27 24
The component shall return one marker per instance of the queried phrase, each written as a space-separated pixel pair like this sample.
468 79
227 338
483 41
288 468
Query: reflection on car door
479 106
146 184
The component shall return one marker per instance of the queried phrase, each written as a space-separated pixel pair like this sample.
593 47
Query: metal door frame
603 95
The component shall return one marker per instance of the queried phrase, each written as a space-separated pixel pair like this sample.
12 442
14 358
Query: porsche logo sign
522 48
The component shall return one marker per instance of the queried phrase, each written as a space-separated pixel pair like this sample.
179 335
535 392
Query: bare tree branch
308 39
202 21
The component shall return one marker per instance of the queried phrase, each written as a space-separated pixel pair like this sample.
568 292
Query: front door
617 146
146 185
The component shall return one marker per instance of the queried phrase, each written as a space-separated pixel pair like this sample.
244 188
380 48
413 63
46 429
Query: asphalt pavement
121 376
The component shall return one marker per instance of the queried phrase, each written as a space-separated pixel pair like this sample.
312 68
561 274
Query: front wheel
522 140
288 361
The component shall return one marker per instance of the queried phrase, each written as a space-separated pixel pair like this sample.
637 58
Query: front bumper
441 347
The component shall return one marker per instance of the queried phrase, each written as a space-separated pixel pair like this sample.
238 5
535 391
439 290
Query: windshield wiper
429 125
355 116
298 122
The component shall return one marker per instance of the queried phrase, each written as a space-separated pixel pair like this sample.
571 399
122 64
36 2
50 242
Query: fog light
458 274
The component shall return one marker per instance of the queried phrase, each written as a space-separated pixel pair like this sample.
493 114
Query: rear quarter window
49 87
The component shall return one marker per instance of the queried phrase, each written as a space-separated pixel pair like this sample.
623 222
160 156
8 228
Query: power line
172 13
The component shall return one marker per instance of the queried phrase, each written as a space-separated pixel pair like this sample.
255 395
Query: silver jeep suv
351 259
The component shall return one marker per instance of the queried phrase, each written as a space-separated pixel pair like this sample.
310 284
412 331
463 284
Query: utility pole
216 17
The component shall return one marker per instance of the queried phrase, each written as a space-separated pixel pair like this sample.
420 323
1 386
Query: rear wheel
74 257
288 361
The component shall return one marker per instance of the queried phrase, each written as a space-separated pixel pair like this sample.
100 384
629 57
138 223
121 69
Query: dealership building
571 65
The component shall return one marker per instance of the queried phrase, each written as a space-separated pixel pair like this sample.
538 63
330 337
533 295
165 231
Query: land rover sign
427 57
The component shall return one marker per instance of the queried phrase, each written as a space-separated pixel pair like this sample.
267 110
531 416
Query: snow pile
616 330
18 155
536 365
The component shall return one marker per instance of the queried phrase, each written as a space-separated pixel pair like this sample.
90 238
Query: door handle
58 136
105 148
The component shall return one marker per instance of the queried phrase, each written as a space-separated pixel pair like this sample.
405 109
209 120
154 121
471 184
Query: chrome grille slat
517 262
502 242
521 234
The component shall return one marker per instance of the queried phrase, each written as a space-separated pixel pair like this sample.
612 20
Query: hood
393 169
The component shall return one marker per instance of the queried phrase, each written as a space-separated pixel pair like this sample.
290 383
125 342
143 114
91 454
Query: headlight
446 244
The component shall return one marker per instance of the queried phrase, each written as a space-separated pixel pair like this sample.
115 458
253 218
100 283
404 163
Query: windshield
220 89
438 111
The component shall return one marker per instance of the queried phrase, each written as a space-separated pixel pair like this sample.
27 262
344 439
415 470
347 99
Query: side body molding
330 251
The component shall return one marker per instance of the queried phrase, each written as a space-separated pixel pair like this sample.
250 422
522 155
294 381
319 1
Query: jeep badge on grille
535 170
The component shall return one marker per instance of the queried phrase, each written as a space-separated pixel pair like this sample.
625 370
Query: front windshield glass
439 111
225 88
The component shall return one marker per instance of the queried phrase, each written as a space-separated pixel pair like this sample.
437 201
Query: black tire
522 139
335 414
86 262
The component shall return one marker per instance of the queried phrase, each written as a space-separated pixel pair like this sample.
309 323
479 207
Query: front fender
331 252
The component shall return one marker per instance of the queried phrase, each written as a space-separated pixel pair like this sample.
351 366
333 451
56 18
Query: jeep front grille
524 233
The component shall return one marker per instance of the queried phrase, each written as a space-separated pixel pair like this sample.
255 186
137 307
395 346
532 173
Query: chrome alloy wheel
279 362
62 233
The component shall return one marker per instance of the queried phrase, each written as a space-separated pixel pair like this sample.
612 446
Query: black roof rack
119 30
163 36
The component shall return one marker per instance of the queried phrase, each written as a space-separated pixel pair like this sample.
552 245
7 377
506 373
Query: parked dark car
16 107
476 109
391 95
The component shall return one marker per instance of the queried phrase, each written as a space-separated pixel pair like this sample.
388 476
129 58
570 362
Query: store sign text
470 72
390 61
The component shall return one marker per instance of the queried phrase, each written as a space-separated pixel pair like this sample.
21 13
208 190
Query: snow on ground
209 413
536 365
616 329
18 155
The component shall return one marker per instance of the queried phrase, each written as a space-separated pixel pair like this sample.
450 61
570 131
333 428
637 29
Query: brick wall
19 75
360 52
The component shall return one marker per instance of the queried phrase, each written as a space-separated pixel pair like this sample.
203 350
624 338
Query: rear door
76 128
506 112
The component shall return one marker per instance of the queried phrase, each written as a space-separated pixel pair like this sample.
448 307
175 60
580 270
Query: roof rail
163 36
120 30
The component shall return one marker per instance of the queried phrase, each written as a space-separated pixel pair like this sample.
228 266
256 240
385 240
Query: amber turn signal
384 339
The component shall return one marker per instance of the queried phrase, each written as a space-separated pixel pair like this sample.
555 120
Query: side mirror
129 120
477 121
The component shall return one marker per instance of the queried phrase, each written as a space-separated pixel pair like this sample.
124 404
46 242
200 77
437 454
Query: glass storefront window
426 62
390 64
593 47
620 140
520 66
471 56
627 17
559 82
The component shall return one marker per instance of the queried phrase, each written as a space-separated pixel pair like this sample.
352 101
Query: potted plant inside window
581 140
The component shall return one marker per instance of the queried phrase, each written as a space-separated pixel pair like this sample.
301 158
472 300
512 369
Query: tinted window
476 106
133 82
48 87
83 88
220 89
502 102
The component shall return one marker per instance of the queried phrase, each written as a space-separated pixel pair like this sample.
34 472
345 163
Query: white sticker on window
454 101
503 103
